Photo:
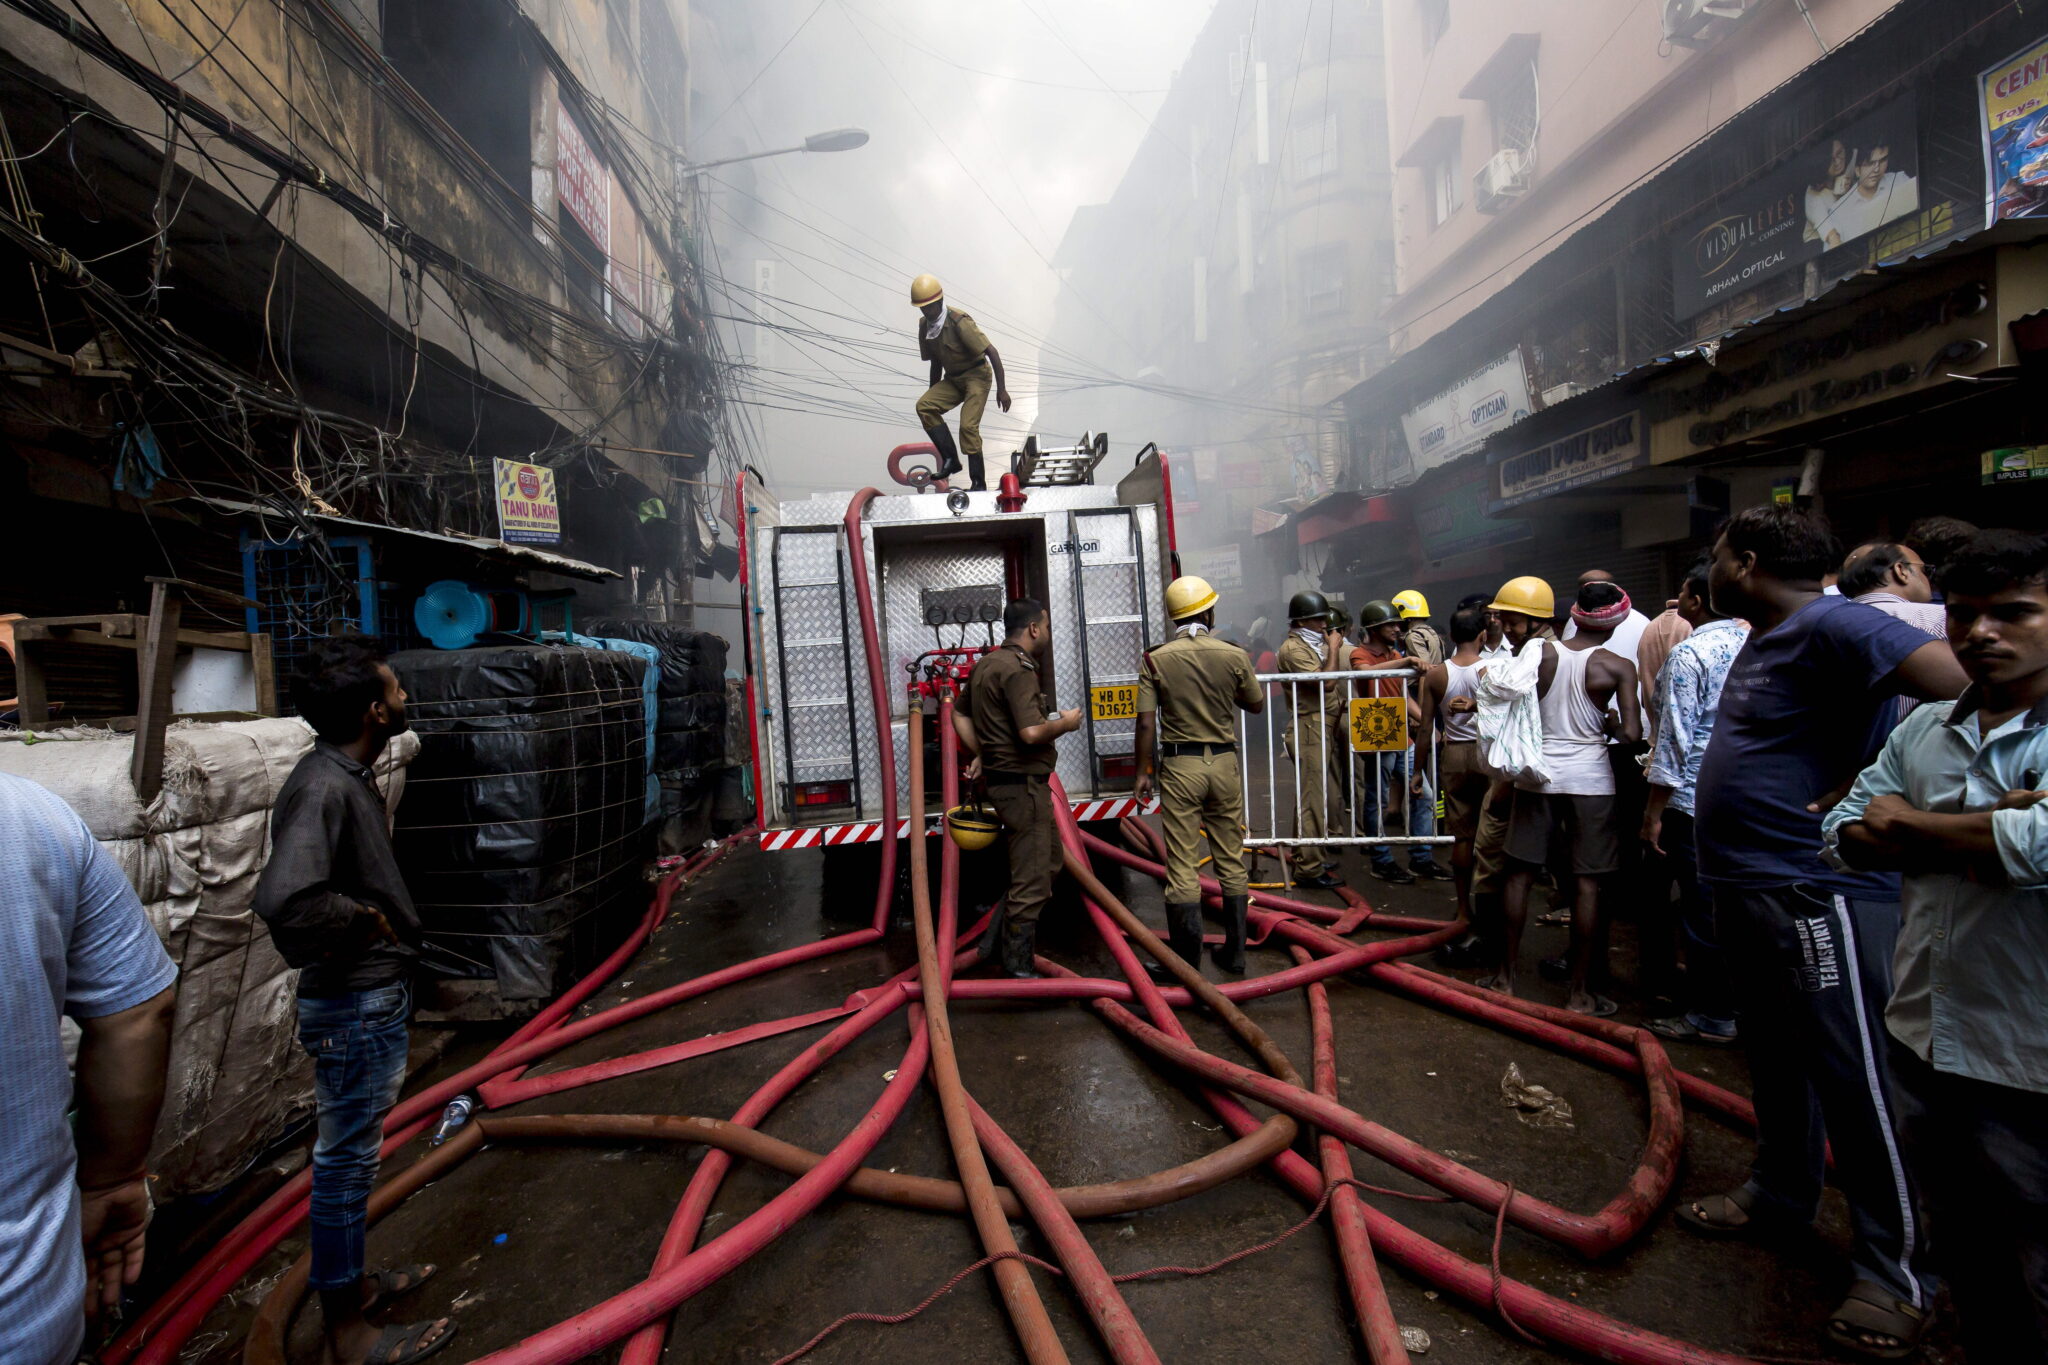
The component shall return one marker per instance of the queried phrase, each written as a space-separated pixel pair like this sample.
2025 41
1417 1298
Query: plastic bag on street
1510 725
1534 1105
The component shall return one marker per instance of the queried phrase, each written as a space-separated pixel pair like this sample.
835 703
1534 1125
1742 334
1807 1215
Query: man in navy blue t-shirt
1806 706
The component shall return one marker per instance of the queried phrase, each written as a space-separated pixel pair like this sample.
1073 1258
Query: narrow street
527 1236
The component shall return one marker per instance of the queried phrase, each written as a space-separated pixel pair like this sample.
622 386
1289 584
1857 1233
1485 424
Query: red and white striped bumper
870 831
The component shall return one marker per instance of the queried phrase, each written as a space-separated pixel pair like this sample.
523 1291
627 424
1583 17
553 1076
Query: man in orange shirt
1386 775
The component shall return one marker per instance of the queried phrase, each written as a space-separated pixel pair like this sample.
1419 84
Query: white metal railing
1279 779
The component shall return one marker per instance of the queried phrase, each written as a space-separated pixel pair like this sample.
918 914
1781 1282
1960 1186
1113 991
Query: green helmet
1377 613
1306 604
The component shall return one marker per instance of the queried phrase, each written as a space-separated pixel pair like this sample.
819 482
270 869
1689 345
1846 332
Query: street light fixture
832 140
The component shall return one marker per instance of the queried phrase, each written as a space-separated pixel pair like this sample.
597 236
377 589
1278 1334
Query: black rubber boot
991 946
1020 941
1236 911
1184 936
949 454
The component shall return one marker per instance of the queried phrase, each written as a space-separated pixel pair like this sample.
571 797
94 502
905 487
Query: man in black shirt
338 910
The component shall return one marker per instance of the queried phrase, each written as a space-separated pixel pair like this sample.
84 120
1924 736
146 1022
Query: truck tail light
821 794
1119 767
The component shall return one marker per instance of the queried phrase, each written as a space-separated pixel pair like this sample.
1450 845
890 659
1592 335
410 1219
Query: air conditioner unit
1695 23
1504 177
1557 393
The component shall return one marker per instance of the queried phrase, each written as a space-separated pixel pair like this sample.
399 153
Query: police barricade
1369 750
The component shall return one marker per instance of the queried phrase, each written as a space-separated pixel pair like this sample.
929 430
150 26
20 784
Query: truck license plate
1118 701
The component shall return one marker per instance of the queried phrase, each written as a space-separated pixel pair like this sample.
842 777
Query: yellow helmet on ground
973 827
1189 596
926 289
1529 595
1411 603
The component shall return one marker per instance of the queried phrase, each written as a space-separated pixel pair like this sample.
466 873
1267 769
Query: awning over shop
1339 512
521 556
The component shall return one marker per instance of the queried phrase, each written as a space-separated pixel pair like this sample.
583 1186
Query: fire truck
936 567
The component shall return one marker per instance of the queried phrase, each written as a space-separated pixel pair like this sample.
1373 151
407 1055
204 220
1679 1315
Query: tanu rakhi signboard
1588 456
2012 104
1831 192
528 513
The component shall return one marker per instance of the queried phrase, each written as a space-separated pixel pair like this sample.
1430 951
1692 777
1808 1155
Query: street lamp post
832 140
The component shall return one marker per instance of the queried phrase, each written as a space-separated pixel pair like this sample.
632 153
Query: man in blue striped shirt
1688 696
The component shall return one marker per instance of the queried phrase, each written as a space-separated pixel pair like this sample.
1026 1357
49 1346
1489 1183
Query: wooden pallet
155 638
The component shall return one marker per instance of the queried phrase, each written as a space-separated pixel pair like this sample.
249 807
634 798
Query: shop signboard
1587 456
1832 192
1460 418
2012 108
1839 361
581 181
1309 482
528 513
1222 565
2016 464
1450 518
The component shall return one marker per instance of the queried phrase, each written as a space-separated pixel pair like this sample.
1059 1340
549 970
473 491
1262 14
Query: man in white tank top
1577 681
1449 701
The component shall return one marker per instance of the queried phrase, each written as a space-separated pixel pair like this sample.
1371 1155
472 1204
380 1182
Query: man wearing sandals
1805 706
338 910
1955 804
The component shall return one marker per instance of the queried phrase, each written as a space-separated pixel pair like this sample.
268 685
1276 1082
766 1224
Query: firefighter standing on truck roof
1317 737
961 360
1196 683
1002 717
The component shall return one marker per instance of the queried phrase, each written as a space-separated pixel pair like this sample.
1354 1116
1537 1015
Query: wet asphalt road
526 1236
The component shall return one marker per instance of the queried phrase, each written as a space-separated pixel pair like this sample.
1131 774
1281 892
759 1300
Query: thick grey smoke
971 176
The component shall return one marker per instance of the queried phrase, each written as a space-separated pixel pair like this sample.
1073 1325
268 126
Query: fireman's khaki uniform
1197 683
964 379
1002 699
1419 639
1319 741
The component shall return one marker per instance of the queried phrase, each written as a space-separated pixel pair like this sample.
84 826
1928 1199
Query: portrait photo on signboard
1834 190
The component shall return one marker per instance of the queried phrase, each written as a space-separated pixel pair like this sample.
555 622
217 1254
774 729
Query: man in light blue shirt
1688 696
73 940
1954 803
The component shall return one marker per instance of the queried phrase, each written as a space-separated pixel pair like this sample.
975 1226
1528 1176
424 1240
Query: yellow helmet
1189 596
1528 595
1411 603
972 827
926 289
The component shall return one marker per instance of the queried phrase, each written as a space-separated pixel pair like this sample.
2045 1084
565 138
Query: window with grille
1515 115
1315 147
1319 273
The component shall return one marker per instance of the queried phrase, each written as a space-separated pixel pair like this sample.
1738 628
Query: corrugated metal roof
524 555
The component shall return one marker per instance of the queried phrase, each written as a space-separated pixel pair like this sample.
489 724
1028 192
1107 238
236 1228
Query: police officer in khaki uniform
962 361
1318 738
1190 690
1002 717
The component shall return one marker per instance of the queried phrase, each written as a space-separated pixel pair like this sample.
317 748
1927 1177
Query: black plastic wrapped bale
692 661
523 832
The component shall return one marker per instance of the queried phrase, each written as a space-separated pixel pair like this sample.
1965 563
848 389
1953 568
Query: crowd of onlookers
1814 780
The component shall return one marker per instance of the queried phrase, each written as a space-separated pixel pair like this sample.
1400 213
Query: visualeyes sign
1832 192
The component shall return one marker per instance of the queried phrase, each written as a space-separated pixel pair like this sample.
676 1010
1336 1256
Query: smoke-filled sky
991 123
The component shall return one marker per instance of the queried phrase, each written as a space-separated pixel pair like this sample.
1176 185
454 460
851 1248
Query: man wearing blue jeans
339 911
